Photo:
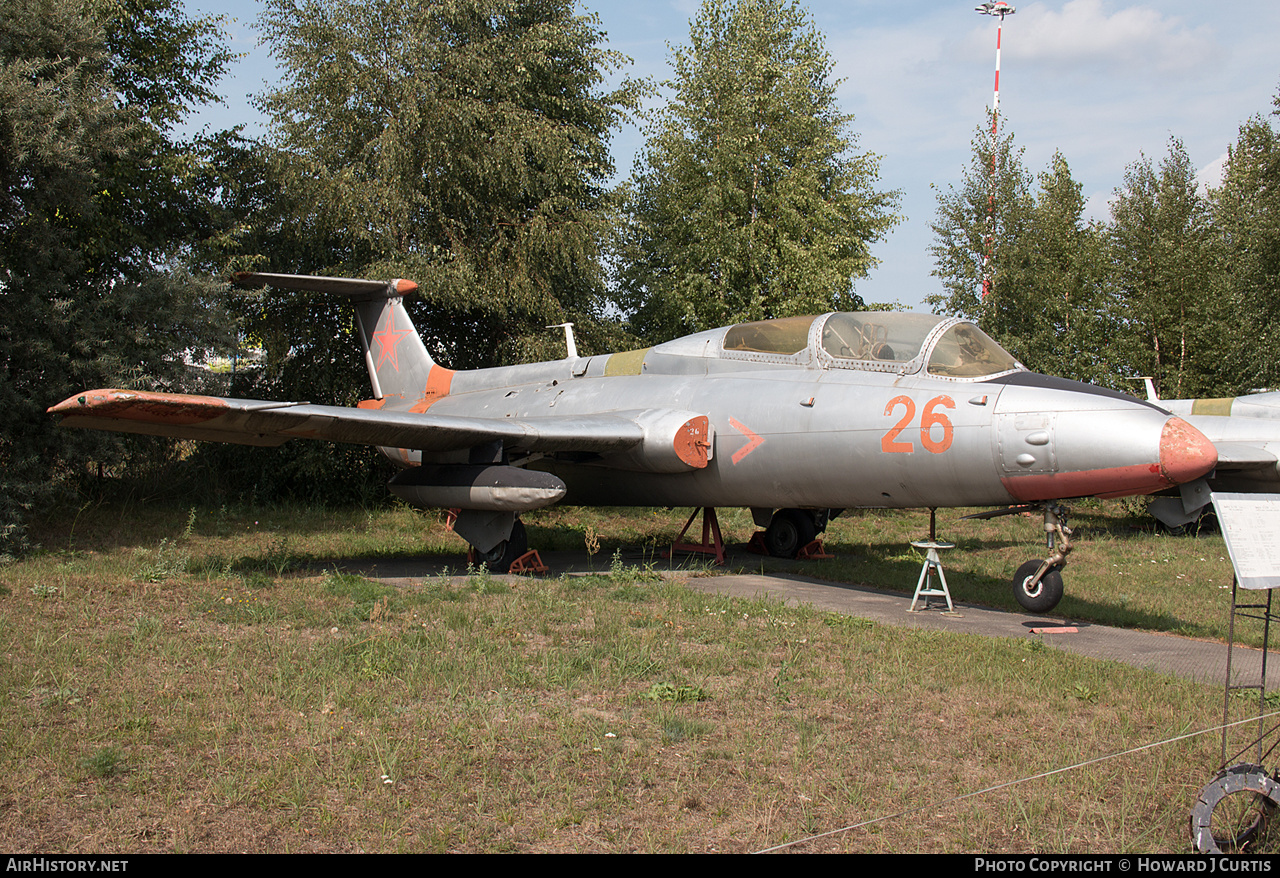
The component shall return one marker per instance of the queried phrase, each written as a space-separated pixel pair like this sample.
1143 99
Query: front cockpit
883 341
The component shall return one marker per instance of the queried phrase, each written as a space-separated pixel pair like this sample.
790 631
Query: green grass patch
259 697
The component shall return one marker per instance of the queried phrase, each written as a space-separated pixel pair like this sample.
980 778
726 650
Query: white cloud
1210 176
1087 31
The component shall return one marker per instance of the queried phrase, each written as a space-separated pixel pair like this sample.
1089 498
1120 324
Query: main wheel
789 532
1233 810
500 558
1044 595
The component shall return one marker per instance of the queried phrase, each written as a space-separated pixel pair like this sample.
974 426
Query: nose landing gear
1037 586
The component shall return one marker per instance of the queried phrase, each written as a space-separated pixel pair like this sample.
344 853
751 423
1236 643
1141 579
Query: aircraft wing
260 422
1244 455
655 440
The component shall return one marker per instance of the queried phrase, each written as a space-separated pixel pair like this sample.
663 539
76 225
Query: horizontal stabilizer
343 286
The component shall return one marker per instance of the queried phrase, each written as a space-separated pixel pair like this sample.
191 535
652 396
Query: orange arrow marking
754 441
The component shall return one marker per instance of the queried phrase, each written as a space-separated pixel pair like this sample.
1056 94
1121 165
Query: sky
1105 82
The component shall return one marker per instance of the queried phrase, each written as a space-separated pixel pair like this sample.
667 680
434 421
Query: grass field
200 680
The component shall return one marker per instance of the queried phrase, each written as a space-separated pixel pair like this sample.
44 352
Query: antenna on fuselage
569 343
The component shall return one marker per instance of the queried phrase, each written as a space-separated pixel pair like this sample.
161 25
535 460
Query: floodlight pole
1000 10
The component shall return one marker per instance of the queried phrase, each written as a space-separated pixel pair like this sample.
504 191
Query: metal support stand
711 543
1233 810
932 563
1262 612
1248 783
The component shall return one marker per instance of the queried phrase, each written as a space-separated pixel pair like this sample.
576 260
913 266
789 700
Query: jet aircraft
796 418
1246 432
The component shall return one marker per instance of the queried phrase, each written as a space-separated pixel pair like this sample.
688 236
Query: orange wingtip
136 405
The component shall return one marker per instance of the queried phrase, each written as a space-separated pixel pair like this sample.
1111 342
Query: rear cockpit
884 341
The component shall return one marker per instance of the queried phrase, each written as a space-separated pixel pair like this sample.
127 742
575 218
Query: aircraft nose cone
1185 453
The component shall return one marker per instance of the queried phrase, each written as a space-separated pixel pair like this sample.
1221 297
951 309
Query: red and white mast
999 9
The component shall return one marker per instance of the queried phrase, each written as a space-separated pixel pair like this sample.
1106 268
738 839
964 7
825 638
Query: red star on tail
388 340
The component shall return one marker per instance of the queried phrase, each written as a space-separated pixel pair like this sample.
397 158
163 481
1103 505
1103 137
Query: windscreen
965 351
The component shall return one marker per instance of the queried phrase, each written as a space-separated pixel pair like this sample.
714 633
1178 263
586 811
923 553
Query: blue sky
1103 81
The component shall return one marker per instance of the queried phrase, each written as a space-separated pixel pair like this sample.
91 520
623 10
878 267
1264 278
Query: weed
278 556
107 762
482 581
782 681
49 696
673 693
170 562
847 623
370 600
1081 692
146 628
41 590
171 558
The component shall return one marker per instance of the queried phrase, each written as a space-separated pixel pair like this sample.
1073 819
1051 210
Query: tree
1045 302
987 216
1246 212
1061 269
95 216
1163 264
750 201
460 143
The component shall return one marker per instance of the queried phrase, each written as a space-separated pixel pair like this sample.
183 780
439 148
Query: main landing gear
510 555
1037 586
500 558
790 533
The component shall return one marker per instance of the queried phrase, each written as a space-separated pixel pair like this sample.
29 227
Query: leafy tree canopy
460 143
1246 214
96 215
1163 265
750 201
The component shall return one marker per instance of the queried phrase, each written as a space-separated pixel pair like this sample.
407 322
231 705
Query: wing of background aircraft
1243 456
1246 432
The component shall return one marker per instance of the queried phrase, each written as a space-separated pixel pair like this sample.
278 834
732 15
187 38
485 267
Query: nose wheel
1037 586
1037 591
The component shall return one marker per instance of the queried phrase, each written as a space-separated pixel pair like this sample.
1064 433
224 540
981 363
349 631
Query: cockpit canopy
881 341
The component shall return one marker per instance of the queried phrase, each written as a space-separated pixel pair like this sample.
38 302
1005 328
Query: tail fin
402 372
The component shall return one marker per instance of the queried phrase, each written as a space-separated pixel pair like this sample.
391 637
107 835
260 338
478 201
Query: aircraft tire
789 532
1048 590
500 558
1206 523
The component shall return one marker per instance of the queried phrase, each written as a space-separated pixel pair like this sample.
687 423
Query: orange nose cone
1185 453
